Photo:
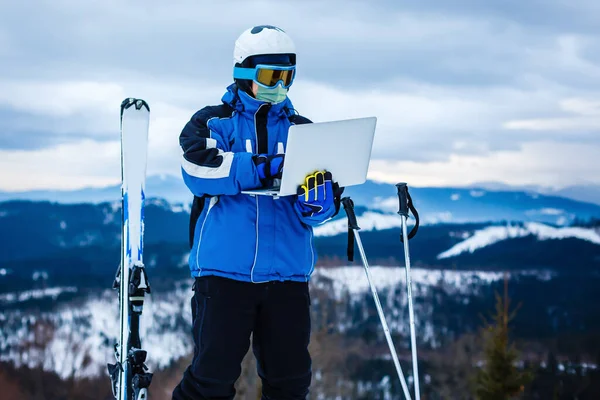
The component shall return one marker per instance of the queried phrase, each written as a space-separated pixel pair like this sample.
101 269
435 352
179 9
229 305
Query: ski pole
353 226
406 204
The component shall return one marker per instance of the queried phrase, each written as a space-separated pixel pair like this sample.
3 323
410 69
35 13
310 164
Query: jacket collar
246 104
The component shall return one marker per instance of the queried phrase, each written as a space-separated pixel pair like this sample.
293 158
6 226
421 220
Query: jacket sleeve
208 165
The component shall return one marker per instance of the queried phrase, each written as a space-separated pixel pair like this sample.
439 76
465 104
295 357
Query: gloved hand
269 167
316 196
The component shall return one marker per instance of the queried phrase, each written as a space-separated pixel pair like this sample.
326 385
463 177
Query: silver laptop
341 147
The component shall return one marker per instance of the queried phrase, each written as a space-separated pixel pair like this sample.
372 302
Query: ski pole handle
349 208
406 205
403 199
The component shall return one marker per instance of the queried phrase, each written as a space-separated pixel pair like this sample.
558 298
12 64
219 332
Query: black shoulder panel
299 119
196 127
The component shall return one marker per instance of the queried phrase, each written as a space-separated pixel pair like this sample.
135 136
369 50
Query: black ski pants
225 314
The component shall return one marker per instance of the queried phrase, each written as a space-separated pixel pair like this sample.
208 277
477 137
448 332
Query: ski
129 377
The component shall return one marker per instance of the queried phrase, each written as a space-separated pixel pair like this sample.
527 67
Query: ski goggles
267 76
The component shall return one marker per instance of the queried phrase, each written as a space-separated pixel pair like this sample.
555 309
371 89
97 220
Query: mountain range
58 257
588 193
68 242
435 204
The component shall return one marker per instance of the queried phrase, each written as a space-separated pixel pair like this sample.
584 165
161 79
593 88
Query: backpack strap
197 207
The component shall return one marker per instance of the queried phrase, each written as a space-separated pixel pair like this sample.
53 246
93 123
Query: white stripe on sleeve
203 172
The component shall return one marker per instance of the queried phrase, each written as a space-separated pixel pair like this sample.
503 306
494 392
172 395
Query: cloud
557 124
90 162
467 43
550 163
59 99
586 119
39 114
64 166
450 82
546 15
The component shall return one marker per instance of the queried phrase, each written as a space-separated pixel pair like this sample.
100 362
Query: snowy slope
354 281
368 221
80 336
36 294
494 234
77 338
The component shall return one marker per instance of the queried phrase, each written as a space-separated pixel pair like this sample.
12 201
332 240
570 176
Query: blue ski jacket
234 235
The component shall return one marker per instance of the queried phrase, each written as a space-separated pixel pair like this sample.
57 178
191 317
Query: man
252 256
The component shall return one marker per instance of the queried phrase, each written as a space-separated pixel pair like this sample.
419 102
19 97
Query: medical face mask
271 95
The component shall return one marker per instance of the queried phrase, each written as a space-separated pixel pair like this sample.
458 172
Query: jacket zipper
262 147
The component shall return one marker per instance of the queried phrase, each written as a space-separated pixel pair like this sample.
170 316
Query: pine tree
499 378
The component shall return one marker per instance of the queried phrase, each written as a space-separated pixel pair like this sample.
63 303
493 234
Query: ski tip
137 103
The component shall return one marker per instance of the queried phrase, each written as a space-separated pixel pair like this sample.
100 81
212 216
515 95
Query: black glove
269 167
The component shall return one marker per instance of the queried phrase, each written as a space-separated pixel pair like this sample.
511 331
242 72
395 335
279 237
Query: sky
464 91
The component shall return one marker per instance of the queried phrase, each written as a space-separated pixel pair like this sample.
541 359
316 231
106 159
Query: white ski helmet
263 39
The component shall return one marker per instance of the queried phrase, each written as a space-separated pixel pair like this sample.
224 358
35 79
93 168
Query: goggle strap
244 73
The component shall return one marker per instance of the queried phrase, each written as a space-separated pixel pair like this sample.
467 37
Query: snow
562 220
368 221
37 294
181 208
551 211
80 338
39 275
477 193
157 202
389 204
3 214
460 234
350 284
184 260
455 197
3 272
86 239
115 206
494 234
436 218
63 225
109 216
542 275
545 232
353 280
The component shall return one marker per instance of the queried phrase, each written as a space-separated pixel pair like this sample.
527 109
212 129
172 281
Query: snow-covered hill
75 339
494 234
368 220
353 281
59 238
